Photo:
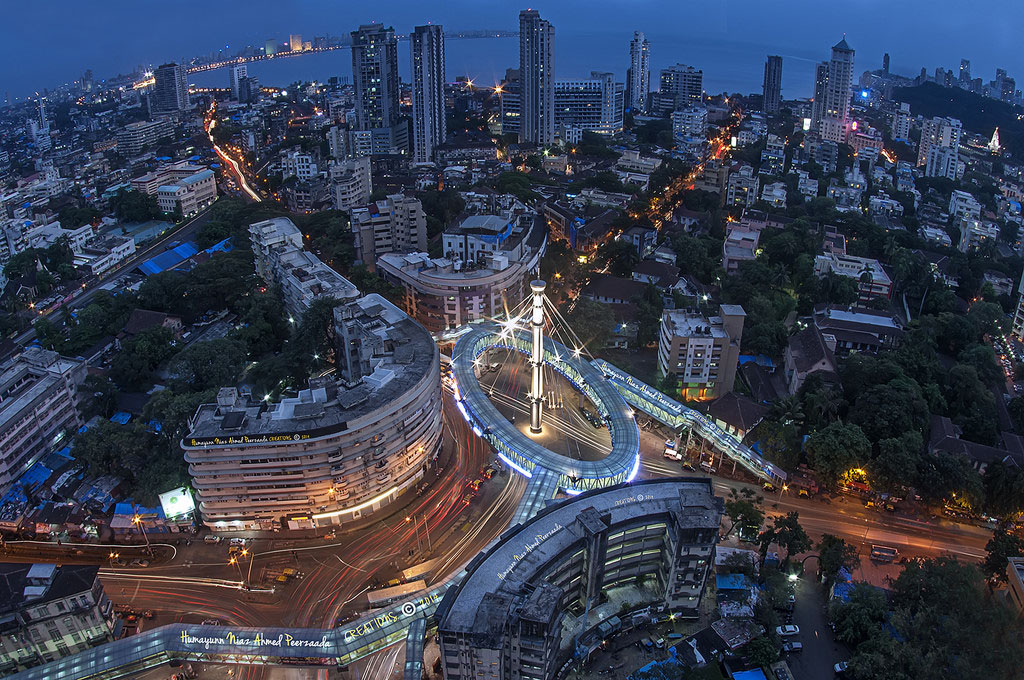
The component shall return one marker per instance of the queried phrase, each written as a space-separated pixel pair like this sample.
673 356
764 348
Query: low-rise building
1015 583
188 195
106 252
774 194
858 329
702 352
134 137
742 187
809 351
48 612
740 246
872 280
396 224
351 183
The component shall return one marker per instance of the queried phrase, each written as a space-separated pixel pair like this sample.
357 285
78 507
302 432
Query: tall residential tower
772 85
375 76
428 112
833 87
638 75
170 91
537 77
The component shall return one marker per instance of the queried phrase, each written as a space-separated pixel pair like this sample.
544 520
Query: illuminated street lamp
138 520
113 556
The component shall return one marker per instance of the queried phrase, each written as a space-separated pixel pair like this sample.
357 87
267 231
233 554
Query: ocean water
728 66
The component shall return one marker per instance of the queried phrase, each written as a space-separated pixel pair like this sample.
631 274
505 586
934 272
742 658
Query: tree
787 533
888 410
861 616
593 323
133 367
761 651
834 554
618 256
835 450
894 466
1004 489
134 206
1016 409
999 549
207 365
649 306
742 509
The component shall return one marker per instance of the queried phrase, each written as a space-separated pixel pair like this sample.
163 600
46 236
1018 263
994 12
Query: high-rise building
595 105
885 63
638 76
537 78
702 352
1018 316
940 147
375 76
833 87
170 92
772 88
680 86
270 49
428 111
43 123
396 224
235 74
901 122
295 43
965 70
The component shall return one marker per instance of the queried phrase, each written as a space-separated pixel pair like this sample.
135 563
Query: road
210 123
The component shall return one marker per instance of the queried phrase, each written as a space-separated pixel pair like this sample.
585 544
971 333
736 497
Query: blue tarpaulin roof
732 582
224 246
169 259
121 417
753 674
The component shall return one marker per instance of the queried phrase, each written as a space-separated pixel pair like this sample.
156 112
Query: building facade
396 224
133 137
376 80
429 121
536 78
638 76
939 150
833 88
170 89
49 611
595 104
702 352
351 183
772 86
38 408
510 616
342 449
680 86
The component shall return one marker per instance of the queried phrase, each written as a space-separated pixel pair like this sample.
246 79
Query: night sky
47 43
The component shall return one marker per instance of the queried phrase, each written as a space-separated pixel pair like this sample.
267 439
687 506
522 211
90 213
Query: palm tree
788 411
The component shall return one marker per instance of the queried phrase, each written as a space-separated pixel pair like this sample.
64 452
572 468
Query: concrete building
595 104
939 150
376 81
235 75
170 89
396 224
351 183
774 194
298 164
537 78
554 581
1015 583
106 252
742 187
833 88
48 612
188 195
809 351
701 351
858 329
901 123
1018 315
872 280
133 137
680 86
429 117
690 122
740 246
772 87
638 75
302 277
490 264
342 449
38 408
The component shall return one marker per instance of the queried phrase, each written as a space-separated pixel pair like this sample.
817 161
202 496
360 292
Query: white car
840 667
786 631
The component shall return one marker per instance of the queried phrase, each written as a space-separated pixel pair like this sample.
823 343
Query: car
240 542
786 631
791 599
840 667
467 499
660 643
768 486
670 443
803 493
210 538
139 563
211 622
793 647
687 465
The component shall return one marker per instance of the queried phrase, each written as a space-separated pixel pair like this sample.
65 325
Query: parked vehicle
884 553
793 647
211 538
787 631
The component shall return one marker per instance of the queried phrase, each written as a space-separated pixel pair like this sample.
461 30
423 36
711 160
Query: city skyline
988 45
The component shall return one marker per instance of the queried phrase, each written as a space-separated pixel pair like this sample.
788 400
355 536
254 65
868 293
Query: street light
138 520
113 556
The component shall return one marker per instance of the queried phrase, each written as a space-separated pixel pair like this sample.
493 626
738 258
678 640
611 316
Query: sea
730 67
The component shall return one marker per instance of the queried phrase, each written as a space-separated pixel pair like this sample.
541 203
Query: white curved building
342 449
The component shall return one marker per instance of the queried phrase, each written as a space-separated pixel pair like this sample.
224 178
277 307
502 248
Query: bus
385 596
883 553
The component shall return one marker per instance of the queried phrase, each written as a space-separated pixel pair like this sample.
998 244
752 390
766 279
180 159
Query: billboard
177 503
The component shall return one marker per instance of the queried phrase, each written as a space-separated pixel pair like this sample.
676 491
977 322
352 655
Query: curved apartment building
343 448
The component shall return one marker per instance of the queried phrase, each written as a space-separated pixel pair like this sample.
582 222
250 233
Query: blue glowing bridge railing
518 450
676 415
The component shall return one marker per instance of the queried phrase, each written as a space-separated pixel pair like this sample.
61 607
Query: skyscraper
295 43
965 70
680 87
885 63
170 93
638 76
43 123
375 76
772 84
235 74
833 88
428 113
537 77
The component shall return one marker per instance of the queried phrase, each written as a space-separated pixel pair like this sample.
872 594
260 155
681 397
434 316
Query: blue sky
45 43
